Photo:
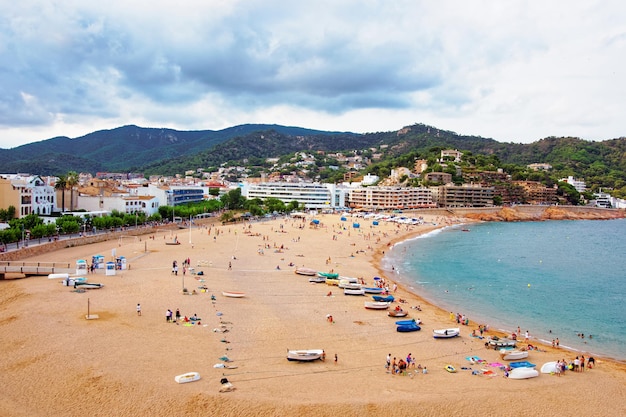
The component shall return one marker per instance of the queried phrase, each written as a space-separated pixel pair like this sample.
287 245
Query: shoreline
51 352
495 329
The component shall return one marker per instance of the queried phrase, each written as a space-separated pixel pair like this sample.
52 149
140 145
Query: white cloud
515 71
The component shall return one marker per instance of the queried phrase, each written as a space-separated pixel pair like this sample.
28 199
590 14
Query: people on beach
138 309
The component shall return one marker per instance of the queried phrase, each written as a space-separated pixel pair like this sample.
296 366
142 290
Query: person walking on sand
138 309
335 359
177 314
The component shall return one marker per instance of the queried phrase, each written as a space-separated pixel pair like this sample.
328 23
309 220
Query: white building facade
311 195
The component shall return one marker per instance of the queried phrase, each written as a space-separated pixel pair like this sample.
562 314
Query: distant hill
125 148
168 151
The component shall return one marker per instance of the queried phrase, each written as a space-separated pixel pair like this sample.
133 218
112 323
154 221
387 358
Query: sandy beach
57 363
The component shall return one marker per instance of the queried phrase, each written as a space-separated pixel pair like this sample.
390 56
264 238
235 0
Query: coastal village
102 193
287 314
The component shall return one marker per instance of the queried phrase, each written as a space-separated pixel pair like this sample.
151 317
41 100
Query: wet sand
57 363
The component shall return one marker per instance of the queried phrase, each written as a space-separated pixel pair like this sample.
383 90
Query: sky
515 71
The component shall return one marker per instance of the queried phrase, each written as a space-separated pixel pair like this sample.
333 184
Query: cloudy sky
515 71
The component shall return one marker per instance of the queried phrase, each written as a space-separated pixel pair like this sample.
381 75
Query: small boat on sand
408 321
332 275
353 291
522 364
523 373
306 355
383 298
549 367
376 305
446 333
498 343
513 355
398 313
88 285
233 294
306 271
188 377
373 290
408 328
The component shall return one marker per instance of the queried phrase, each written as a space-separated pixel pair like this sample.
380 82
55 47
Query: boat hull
188 377
513 355
305 355
446 333
522 364
408 328
523 373
401 313
233 294
306 271
376 305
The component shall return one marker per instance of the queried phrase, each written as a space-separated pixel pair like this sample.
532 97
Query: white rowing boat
233 294
188 377
377 305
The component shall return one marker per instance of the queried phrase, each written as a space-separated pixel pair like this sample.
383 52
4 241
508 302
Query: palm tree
71 180
61 184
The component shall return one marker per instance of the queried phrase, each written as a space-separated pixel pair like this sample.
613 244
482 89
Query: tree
569 192
61 184
8 214
71 180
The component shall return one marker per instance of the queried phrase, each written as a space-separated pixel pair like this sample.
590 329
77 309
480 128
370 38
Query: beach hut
98 261
110 268
120 263
81 267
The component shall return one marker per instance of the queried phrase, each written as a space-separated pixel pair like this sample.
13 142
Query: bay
554 278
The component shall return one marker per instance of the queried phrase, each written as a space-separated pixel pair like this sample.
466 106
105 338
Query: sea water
556 279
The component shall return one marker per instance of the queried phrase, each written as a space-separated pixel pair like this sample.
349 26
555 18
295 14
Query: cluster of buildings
129 193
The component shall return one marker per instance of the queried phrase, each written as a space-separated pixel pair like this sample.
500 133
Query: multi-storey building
311 195
466 195
537 193
28 194
389 198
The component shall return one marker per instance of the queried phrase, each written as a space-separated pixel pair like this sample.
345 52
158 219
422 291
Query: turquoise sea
553 278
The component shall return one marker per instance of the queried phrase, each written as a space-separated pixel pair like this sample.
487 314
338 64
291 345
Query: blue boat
386 298
405 322
373 290
522 364
408 328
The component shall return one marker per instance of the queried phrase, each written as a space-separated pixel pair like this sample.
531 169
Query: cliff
538 213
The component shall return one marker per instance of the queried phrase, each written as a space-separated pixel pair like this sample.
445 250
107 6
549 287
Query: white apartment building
125 204
28 194
579 185
312 195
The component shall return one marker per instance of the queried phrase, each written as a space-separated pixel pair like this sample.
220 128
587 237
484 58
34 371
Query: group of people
459 318
577 365
169 316
401 366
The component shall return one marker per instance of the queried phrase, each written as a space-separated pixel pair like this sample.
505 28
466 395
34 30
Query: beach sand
56 363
